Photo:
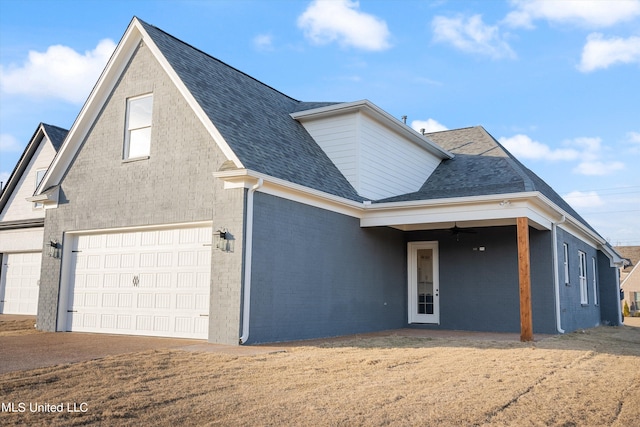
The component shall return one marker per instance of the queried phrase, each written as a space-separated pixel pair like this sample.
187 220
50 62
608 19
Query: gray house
191 200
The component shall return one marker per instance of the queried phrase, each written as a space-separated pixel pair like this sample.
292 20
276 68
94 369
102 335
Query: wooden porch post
524 273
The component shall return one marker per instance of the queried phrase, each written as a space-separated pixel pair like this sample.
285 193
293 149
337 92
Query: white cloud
9 144
326 21
602 53
471 35
60 72
597 168
523 147
429 125
589 152
633 137
586 13
263 42
591 158
587 199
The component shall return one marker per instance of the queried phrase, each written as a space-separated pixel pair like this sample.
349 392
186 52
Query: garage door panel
155 283
19 283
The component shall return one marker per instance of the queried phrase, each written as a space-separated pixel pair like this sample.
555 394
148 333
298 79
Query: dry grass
17 327
585 379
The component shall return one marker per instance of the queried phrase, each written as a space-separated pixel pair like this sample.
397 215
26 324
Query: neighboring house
192 200
22 223
630 276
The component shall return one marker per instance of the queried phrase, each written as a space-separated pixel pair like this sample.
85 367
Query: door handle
136 281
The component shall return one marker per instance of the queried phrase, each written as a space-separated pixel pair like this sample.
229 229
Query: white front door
19 283
424 287
151 282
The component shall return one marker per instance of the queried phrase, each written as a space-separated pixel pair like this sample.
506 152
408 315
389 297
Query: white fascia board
378 114
399 215
195 106
579 230
92 107
133 36
494 209
498 209
245 178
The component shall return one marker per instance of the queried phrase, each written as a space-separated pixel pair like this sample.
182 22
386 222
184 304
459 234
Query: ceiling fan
456 231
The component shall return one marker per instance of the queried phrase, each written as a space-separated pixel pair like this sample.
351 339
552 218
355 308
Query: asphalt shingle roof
254 118
56 135
255 121
481 166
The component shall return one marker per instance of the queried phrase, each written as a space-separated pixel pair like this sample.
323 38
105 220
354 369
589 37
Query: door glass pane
425 281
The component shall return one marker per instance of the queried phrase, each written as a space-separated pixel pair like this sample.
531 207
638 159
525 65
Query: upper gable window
39 175
137 141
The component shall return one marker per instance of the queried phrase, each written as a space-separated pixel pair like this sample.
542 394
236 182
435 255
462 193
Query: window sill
135 159
584 305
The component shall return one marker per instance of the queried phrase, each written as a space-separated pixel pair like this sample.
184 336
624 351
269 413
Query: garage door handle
136 281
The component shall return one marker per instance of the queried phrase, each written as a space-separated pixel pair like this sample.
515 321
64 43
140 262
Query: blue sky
558 83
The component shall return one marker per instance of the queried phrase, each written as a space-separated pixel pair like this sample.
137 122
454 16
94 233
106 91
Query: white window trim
565 248
37 205
582 276
595 280
127 132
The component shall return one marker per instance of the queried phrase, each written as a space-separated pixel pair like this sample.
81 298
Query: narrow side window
595 280
137 142
565 260
582 275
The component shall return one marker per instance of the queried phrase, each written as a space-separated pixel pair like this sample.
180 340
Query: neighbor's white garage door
19 283
152 282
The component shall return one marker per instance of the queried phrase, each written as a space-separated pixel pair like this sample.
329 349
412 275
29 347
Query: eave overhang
476 211
49 198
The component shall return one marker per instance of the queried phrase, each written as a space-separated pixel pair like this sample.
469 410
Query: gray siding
479 290
609 288
575 315
317 273
175 185
227 268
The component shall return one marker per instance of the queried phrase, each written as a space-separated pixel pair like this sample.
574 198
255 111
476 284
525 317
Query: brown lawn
590 378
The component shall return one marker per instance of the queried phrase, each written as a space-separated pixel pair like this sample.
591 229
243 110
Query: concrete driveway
42 349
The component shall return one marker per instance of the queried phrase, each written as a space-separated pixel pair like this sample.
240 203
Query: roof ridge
144 23
54 126
519 168
454 130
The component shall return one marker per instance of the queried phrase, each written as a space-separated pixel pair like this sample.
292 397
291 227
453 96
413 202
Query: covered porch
487 264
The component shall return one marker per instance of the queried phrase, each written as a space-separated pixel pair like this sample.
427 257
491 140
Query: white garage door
19 283
152 282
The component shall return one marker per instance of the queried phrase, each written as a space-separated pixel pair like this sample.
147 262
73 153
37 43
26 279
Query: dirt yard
588 378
